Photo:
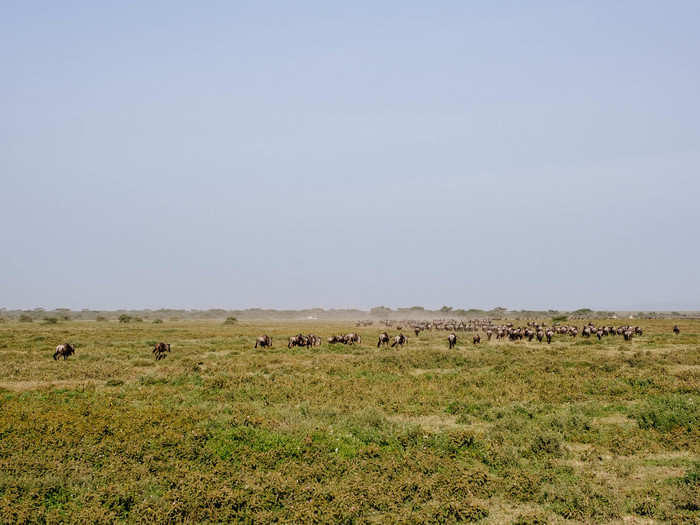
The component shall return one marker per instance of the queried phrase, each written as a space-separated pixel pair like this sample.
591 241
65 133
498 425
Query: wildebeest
299 340
399 340
676 329
383 339
549 333
540 335
352 338
65 350
264 341
476 339
452 340
160 349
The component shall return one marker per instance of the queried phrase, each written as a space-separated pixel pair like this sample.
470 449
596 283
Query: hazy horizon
247 155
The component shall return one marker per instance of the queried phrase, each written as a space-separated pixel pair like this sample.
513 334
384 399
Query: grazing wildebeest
599 333
417 331
160 349
476 339
549 333
399 340
540 335
264 341
299 340
352 338
452 340
489 333
383 339
65 350
627 334
676 329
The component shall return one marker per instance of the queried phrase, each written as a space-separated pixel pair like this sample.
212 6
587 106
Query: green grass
580 432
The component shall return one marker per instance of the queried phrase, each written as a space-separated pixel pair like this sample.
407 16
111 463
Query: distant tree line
59 315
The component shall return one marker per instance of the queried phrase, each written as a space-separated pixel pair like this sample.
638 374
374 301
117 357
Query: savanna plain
579 431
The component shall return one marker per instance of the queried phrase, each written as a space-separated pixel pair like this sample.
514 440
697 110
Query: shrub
125 318
546 444
230 320
100 319
692 477
530 519
50 320
157 321
665 413
24 318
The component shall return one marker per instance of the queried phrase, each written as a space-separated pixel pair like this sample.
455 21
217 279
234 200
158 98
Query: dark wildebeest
352 338
627 334
383 339
65 350
264 341
417 331
452 340
160 349
489 333
676 329
540 335
399 340
476 339
298 340
549 334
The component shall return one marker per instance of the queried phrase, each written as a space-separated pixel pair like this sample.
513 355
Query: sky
355 154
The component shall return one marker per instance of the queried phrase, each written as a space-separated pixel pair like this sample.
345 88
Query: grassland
580 431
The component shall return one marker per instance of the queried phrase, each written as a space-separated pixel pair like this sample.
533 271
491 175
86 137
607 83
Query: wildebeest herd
532 330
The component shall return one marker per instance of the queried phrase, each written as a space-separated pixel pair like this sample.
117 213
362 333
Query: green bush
664 413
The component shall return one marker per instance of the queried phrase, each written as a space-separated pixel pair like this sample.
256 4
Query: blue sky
235 154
